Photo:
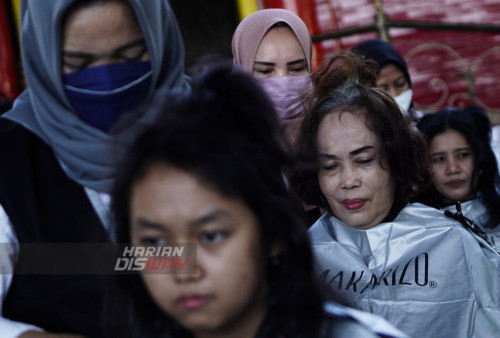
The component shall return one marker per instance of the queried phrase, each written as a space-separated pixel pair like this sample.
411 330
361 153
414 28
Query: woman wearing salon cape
360 160
91 67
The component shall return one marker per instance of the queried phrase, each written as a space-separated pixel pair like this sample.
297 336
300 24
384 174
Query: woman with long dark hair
464 166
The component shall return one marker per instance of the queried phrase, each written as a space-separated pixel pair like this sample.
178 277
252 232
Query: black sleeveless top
45 206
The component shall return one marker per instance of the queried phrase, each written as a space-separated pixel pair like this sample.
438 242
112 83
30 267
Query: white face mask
404 101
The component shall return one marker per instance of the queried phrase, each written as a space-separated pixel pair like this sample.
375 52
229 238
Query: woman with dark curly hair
210 172
464 166
361 161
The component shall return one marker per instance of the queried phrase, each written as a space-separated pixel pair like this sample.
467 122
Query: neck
246 327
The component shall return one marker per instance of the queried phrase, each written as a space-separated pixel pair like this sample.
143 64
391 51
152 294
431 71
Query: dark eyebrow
328 156
80 55
296 62
361 150
212 216
462 149
130 44
262 63
352 153
146 224
122 48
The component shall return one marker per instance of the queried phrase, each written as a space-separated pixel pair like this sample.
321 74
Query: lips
353 204
193 302
455 183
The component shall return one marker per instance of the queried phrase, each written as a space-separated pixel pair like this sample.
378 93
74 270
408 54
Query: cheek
437 173
244 263
326 184
159 287
470 167
247 265
384 185
145 57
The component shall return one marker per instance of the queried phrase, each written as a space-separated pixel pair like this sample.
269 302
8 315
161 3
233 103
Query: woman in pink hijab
275 46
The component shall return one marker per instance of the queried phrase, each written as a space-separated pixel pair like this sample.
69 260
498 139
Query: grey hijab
88 155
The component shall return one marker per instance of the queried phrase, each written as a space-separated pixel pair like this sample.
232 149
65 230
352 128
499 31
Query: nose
280 72
184 278
393 91
187 276
452 166
350 178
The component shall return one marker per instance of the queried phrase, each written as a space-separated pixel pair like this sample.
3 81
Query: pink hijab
251 30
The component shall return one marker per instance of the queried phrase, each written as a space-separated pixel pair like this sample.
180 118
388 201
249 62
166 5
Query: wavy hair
473 123
346 84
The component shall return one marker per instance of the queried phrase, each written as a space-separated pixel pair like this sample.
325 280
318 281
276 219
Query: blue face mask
102 95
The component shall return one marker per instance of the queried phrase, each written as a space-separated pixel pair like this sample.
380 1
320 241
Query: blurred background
452 46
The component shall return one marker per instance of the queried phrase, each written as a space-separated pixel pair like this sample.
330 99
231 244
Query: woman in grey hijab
91 67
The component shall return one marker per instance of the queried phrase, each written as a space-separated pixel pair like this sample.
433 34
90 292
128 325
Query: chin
357 224
199 324
459 197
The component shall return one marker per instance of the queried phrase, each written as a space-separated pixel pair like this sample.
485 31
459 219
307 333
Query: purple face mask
287 93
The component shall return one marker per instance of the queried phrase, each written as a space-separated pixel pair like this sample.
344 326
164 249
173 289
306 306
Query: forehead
164 185
280 41
448 140
390 71
100 26
168 195
342 132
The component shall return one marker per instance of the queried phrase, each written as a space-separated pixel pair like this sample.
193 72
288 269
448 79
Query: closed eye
329 166
263 71
400 84
298 69
77 62
364 160
133 53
